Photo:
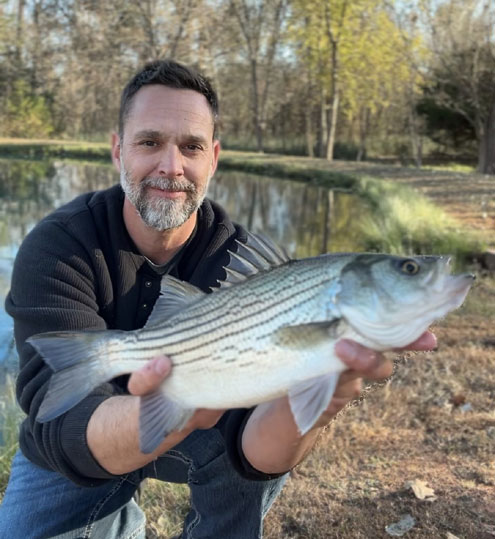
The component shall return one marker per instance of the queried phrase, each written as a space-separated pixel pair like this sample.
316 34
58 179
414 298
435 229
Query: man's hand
271 441
149 379
364 363
113 429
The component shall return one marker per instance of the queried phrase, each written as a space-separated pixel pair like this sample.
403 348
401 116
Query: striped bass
269 330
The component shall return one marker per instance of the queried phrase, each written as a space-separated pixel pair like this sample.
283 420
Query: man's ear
116 150
216 153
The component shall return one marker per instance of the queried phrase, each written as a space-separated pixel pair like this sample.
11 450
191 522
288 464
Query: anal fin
309 399
158 417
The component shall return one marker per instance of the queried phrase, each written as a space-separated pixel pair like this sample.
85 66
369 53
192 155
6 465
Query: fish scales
269 335
269 290
287 306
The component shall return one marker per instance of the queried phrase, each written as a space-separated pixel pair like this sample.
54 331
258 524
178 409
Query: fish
268 330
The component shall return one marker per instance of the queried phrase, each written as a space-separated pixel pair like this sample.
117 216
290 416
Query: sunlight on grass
451 167
10 418
165 506
404 222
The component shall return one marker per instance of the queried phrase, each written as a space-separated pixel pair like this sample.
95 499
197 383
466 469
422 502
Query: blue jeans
42 504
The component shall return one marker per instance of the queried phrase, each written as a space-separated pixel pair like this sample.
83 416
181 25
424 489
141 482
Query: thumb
149 378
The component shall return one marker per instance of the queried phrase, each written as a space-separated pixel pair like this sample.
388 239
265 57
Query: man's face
167 155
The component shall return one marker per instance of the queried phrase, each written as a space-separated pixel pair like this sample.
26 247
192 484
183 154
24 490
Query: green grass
166 506
452 167
404 222
10 418
47 149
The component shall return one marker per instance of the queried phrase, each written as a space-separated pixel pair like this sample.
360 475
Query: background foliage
328 78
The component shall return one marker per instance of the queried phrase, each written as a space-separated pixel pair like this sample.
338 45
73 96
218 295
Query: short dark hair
171 74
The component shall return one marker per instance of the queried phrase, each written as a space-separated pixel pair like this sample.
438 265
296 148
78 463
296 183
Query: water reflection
306 220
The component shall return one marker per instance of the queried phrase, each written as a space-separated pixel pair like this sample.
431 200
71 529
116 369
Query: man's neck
159 247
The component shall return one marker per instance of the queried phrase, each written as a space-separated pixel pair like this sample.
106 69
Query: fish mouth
397 327
457 288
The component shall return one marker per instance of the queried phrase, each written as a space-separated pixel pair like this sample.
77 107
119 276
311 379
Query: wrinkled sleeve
54 289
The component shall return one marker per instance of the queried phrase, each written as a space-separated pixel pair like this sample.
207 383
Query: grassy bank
10 417
51 149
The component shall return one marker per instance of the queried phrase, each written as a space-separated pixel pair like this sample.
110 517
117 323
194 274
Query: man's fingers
427 341
356 356
149 378
363 361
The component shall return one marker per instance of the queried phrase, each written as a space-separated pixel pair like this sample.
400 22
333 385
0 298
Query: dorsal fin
174 295
259 253
267 248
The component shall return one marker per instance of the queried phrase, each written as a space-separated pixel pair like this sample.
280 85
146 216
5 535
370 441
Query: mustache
169 184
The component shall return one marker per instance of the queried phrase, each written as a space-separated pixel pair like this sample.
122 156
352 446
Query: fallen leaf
451 536
397 529
421 490
458 399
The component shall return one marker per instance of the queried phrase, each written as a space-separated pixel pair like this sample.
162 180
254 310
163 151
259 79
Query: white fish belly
250 378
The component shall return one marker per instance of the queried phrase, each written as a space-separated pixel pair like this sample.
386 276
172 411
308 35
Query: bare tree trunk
185 10
416 139
37 70
250 19
322 133
332 127
308 124
258 129
147 22
486 148
364 122
334 38
19 29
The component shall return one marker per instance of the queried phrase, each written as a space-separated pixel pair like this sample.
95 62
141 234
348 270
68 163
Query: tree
354 55
461 75
260 23
321 34
27 115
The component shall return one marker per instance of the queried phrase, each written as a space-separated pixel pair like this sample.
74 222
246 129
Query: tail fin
81 362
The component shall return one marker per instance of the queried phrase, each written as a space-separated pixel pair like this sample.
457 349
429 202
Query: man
97 263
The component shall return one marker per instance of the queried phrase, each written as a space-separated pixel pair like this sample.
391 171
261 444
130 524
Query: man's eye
148 143
193 147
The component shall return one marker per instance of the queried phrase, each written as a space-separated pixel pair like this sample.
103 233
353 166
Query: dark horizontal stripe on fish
228 334
207 317
149 343
196 359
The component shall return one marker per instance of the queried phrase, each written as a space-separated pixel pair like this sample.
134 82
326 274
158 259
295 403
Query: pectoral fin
158 417
309 399
308 335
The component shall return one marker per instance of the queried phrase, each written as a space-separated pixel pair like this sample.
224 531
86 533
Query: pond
306 220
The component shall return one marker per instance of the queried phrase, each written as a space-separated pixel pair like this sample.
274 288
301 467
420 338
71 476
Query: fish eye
410 267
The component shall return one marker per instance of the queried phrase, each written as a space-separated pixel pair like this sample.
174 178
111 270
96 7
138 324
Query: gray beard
159 213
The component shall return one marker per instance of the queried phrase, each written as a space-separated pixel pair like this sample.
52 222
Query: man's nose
170 162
